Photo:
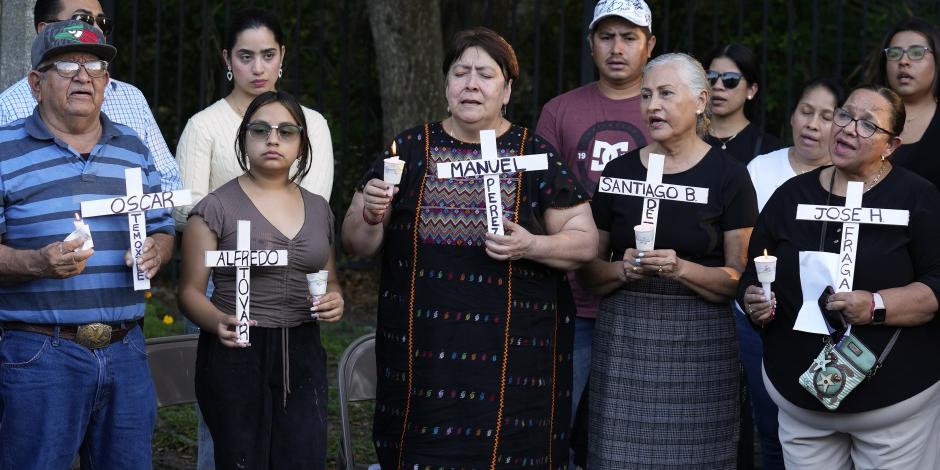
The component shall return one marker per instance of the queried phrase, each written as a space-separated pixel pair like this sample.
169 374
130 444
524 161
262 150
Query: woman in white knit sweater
253 54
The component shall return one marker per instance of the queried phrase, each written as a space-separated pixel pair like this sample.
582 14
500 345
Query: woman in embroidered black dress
474 336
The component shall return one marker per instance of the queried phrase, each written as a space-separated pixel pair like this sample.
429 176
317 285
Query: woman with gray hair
664 378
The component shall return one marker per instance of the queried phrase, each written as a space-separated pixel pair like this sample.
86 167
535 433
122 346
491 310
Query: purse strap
822 240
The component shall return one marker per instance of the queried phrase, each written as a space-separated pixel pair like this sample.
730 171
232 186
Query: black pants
241 394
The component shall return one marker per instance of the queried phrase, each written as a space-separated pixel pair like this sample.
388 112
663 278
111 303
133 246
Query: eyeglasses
730 80
69 68
864 127
913 52
105 24
262 130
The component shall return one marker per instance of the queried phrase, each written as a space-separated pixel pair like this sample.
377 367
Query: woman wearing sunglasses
890 419
733 73
265 402
908 65
254 54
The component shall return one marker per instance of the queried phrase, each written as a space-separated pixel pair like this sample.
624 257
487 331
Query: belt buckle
93 335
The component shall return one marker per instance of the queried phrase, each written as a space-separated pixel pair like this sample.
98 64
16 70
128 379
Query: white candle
394 167
83 232
645 234
766 271
316 283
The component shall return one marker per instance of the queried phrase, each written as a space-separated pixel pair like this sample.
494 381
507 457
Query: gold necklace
874 181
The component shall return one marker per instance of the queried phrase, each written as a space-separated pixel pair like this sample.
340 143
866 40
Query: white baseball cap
634 11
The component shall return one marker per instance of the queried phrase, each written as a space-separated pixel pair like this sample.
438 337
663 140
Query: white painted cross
242 258
135 204
653 190
490 166
851 215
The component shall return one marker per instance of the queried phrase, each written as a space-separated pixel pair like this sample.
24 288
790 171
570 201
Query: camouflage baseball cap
70 36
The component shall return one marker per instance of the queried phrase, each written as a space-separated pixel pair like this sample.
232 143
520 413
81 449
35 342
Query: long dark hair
878 73
251 18
746 61
293 107
826 83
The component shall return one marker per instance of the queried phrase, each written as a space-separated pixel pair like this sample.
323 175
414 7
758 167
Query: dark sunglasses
262 130
105 24
729 79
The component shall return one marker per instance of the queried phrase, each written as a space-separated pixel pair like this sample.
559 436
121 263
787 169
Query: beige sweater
206 154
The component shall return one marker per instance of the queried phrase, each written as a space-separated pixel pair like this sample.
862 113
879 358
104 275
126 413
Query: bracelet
366 217
871 318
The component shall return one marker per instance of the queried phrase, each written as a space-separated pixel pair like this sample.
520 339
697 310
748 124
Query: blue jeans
581 364
751 349
60 399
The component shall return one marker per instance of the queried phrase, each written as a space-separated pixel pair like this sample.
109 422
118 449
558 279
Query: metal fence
170 50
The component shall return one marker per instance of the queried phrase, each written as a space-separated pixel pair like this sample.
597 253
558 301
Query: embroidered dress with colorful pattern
473 354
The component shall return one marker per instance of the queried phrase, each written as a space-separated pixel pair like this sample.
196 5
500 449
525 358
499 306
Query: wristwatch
879 312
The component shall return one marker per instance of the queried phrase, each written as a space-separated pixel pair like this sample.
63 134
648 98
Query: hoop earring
228 75
280 72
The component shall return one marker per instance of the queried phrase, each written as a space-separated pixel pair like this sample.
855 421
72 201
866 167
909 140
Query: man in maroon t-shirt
598 122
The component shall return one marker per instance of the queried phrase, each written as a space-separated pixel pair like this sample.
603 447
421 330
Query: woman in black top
889 420
908 65
733 72
665 371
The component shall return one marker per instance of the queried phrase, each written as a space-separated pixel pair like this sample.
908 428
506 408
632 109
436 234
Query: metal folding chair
357 379
173 368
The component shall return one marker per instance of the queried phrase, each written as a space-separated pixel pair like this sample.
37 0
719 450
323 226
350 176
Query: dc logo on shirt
605 152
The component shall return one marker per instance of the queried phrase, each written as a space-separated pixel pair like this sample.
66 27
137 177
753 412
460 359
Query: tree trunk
16 40
409 52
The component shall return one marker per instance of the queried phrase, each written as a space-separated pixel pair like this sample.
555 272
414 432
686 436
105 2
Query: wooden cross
851 215
135 204
242 258
653 190
490 166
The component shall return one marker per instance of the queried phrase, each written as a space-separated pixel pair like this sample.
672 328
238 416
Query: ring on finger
636 261
660 269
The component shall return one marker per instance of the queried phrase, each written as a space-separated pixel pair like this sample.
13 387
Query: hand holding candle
645 235
393 169
766 272
316 283
82 232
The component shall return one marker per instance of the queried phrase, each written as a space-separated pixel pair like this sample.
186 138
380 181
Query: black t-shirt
888 256
745 146
921 156
695 231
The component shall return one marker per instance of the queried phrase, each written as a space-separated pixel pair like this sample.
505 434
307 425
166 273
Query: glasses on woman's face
863 127
913 52
69 68
262 130
730 80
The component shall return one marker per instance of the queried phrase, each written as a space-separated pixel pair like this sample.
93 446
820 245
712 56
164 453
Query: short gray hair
693 76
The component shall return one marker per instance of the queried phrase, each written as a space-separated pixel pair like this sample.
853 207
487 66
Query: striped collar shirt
42 184
124 104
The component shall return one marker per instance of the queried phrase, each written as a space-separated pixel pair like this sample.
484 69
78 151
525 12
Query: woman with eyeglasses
811 122
734 74
264 402
254 54
881 311
907 64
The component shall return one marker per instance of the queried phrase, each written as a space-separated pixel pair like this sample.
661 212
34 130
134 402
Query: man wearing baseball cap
73 372
595 123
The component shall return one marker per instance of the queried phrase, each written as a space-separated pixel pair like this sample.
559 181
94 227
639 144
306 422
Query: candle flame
394 148
765 251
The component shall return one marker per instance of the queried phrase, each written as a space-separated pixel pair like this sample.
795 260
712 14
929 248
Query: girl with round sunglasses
265 402
907 63
254 54
733 73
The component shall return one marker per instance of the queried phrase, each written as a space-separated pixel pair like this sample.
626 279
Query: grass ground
174 443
